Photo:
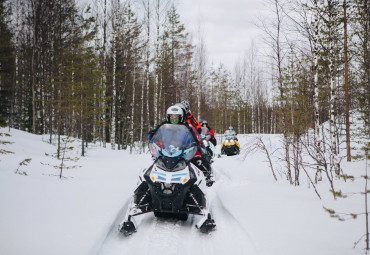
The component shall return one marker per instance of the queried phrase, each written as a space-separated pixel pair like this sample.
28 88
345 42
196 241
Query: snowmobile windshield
173 141
229 134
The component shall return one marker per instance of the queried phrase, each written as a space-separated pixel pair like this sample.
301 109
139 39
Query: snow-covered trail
79 214
160 236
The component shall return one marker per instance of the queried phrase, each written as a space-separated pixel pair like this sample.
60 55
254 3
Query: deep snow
41 214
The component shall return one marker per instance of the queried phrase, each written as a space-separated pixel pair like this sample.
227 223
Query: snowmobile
205 137
230 146
172 186
206 150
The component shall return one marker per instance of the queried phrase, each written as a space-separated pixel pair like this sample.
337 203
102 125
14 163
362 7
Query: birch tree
316 87
333 126
114 7
274 34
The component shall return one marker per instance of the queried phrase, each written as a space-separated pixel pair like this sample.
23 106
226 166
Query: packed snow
79 214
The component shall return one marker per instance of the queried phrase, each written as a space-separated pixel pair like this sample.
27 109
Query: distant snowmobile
230 146
171 187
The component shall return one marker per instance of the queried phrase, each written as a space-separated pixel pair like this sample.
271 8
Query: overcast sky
227 25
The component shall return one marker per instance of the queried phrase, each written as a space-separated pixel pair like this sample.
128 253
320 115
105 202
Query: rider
196 126
189 117
231 132
204 124
175 115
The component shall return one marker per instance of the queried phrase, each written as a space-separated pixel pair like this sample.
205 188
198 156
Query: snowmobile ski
128 227
207 225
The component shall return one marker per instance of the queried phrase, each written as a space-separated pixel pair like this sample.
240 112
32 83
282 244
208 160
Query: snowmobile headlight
168 188
161 164
171 164
180 165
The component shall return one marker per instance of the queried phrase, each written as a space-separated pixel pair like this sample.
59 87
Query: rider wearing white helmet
176 115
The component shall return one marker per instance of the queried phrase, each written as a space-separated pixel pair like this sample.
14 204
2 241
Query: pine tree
174 52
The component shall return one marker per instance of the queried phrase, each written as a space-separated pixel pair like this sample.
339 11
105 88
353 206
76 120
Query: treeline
107 71
321 67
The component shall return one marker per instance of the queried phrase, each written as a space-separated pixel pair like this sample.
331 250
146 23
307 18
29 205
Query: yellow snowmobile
230 146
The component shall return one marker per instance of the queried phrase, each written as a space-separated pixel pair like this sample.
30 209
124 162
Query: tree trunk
366 209
155 94
60 77
147 66
104 78
33 64
82 120
113 110
142 114
280 82
333 127
346 85
316 92
133 108
294 143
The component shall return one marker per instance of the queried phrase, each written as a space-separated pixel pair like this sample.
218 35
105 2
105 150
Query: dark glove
213 141
150 134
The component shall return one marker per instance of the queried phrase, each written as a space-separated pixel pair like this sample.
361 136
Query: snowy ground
41 214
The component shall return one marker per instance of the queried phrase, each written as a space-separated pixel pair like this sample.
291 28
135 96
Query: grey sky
227 26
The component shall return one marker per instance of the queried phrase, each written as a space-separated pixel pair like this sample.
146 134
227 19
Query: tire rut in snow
230 234
111 233
229 228
164 237
153 236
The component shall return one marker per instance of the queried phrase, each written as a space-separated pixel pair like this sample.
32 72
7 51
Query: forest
107 70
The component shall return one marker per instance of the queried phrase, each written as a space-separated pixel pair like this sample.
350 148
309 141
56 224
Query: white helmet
175 115
186 106
231 128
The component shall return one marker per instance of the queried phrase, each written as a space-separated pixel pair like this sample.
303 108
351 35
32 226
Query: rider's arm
195 123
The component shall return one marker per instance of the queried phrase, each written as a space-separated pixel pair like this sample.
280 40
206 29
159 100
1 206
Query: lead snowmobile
172 186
